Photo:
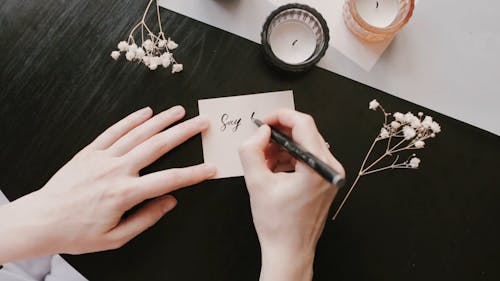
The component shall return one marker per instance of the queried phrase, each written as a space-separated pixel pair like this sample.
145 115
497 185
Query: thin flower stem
405 148
388 142
368 154
375 162
360 173
150 32
385 113
394 147
133 29
346 197
159 18
387 152
146 11
397 166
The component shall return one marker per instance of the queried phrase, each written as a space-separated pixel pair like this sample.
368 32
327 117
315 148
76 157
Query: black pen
303 155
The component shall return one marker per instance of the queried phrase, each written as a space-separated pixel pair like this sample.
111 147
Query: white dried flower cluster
412 130
400 133
155 51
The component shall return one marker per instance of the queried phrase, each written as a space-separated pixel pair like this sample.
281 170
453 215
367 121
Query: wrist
287 264
23 231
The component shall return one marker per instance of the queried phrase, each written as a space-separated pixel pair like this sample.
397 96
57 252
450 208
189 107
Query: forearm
286 265
21 236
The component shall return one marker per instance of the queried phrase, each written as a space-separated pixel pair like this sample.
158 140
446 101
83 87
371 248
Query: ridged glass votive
373 21
294 38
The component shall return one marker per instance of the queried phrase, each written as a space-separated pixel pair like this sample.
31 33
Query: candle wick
294 42
376 6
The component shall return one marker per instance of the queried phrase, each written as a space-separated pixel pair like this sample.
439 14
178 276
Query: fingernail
145 110
169 204
211 169
203 123
178 110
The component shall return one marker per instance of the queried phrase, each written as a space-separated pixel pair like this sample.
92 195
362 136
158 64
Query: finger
303 128
156 146
159 183
147 130
115 132
142 219
305 132
252 155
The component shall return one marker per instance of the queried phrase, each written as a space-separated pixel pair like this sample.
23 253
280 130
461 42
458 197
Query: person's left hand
81 208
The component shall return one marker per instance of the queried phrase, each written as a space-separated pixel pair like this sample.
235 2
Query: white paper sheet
246 18
230 125
445 61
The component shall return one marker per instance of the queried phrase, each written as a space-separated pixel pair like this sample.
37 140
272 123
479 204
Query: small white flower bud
414 162
399 116
408 132
435 127
419 144
171 45
415 123
130 55
165 61
373 105
123 46
427 122
139 53
177 67
132 47
153 65
409 117
384 133
115 55
148 45
157 60
162 43
395 125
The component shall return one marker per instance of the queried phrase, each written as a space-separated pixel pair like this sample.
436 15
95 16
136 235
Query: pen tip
340 182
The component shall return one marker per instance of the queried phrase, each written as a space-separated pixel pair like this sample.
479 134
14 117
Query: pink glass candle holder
373 21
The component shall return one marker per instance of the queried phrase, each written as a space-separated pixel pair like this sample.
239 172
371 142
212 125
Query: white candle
379 13
292 41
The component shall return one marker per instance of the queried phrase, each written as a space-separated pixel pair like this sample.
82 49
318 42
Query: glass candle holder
373 21
294 38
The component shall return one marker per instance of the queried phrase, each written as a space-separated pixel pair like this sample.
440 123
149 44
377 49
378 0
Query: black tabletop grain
59 89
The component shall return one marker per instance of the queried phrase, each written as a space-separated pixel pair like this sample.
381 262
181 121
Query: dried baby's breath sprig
400 133
154 50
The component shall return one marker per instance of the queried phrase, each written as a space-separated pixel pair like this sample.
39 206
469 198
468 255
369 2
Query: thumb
252 155
142 219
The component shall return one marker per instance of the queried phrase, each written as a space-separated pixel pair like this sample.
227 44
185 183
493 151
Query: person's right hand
289 209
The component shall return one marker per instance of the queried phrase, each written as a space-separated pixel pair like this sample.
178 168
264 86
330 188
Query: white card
230 125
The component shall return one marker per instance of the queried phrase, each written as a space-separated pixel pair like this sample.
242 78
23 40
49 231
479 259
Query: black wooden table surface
59 89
